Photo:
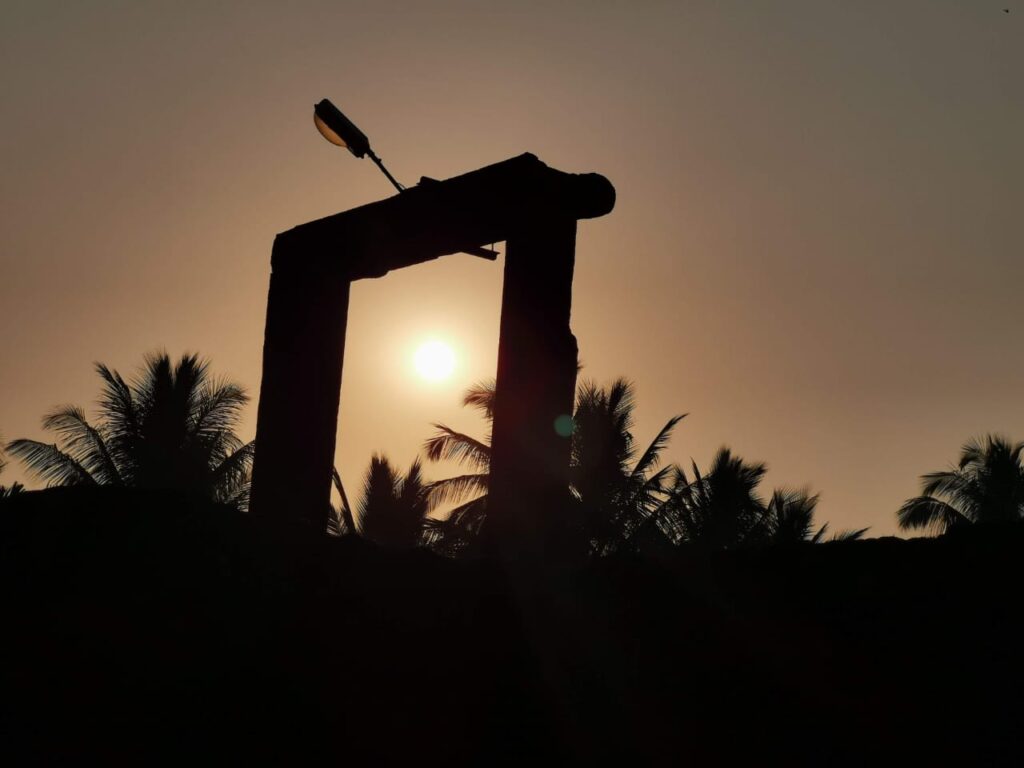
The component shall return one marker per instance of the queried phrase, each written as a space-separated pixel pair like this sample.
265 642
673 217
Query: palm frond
84 443
652 455
237 495
413 491
856 535
929 512
954 484
819 535
334 524
481 397
218 409
464 513
789 517
456 489
49 463
9 491
982 450
455 446
117 406
232 476
621 401
459 533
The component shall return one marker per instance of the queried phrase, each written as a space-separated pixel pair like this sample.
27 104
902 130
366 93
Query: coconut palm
171 427
6 491
723 509
393 508
617 491
616 497
448 444
789 519
987 485
719 510
458 533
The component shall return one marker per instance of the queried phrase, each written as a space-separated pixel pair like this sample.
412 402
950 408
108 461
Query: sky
816 251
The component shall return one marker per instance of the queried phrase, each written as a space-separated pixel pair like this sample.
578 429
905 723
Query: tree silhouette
449 444
987 485
616 494
458 533
719 510
723 509
789 519
6 491
393 508
616 497
172 427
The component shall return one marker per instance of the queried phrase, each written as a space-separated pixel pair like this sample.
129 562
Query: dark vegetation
149 618
143 625
626 497
172 427
986 486
6 491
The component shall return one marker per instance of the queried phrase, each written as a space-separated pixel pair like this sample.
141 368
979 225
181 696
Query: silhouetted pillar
303 352
528 510
530 206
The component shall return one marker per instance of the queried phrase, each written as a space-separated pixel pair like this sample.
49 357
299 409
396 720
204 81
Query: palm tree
459 533
789 519
393 508
172 427
615 497
723 510
987 485
616 494
719 510
6 491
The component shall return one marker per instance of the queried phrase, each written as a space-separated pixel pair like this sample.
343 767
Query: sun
434 360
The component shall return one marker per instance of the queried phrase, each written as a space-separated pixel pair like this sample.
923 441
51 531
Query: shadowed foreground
145 626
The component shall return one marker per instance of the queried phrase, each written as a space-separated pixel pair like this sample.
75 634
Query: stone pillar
303 353
529 511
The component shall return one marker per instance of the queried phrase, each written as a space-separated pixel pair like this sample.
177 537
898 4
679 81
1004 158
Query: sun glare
434 360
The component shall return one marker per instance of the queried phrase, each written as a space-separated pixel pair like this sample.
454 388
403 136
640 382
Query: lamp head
339 130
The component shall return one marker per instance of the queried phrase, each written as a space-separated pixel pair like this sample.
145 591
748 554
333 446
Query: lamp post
342 132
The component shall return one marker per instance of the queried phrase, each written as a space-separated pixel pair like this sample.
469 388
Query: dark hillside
150 627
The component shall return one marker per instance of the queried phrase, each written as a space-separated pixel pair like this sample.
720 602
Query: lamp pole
342 132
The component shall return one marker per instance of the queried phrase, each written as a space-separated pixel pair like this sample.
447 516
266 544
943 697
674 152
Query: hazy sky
816 251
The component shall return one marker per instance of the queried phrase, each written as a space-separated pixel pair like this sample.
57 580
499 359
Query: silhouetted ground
144 627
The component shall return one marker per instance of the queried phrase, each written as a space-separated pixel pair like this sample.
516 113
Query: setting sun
434 360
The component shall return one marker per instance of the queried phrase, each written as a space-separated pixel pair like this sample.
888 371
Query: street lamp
342 132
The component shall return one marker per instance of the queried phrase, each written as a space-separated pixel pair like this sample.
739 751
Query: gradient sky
816 251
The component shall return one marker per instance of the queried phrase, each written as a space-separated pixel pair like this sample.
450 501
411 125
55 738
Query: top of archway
437 218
